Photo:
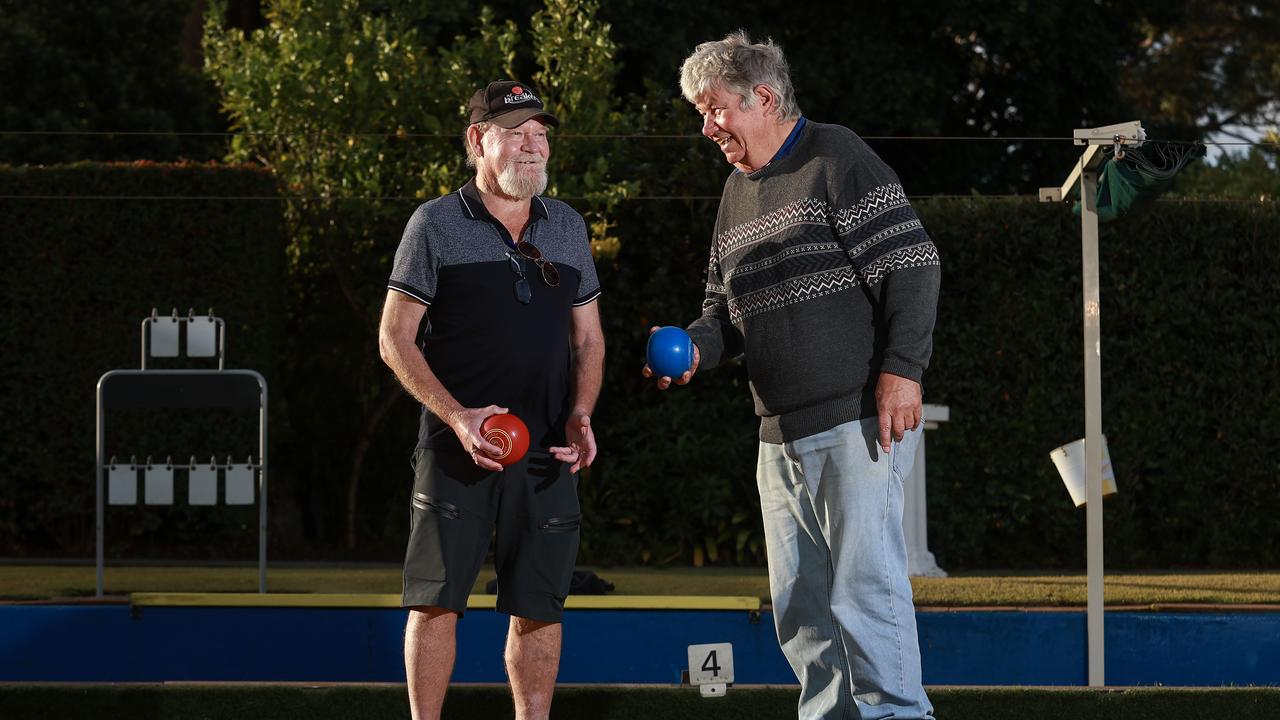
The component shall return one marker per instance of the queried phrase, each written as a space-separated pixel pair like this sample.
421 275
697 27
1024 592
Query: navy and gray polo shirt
485 346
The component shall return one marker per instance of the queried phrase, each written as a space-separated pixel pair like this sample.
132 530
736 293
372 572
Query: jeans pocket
903 455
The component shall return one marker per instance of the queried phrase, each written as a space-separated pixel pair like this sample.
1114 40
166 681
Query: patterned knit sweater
822 277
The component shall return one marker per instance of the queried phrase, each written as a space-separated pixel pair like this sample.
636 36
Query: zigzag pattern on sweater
892 231
812 211
806 211
792 291
880 200
908 257
801 258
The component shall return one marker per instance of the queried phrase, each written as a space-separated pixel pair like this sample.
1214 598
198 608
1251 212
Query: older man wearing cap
502 284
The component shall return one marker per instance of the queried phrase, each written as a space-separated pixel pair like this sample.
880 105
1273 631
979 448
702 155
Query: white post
1093 424
1086 171
915 518
100 514
262 484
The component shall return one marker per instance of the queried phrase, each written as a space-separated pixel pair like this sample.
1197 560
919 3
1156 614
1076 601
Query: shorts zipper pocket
560 525
426 502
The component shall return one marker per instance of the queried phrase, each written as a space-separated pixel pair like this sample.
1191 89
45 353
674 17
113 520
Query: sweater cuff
902 368
709 349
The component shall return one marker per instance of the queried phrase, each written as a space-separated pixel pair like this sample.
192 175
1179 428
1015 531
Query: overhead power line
583 136
640 198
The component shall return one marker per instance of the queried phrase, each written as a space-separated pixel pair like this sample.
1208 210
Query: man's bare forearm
588 374
415 374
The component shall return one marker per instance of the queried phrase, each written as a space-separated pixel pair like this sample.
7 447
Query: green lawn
28 582
389 702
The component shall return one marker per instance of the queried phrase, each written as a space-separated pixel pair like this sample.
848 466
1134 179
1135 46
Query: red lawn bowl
509 433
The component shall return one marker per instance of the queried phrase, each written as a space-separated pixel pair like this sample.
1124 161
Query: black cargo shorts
531 511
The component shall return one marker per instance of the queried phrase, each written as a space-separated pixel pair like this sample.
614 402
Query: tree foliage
1208 67
989 68
100 67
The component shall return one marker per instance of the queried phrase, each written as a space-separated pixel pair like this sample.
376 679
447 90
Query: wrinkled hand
898 403
466 425
581 448
664 382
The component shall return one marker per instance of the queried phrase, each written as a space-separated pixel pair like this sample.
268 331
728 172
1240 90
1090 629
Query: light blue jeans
832 506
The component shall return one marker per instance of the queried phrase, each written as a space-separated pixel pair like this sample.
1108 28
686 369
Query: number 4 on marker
711 664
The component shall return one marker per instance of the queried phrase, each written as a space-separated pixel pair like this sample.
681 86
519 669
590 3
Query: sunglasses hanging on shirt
524 293
550 275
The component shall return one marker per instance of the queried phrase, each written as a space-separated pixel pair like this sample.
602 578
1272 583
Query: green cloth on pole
1131 183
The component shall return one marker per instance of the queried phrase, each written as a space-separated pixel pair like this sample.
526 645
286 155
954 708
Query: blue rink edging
119 643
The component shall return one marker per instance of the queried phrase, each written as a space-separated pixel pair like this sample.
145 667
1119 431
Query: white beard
523 181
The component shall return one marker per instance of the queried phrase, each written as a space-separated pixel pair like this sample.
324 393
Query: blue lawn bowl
670 352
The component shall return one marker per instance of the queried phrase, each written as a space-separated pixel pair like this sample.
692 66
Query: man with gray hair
822 277
513 326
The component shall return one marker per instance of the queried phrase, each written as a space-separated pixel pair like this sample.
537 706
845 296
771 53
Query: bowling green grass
970 589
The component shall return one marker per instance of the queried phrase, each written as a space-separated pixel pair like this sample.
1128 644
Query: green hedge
1189 357
80 274
1189 367
1189 361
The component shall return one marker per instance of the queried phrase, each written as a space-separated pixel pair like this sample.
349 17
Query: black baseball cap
508 104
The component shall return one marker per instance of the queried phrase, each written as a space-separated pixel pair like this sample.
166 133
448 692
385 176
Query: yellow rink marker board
474 602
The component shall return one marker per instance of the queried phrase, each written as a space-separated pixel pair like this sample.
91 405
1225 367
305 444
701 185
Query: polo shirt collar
787 146
474 207
792 138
